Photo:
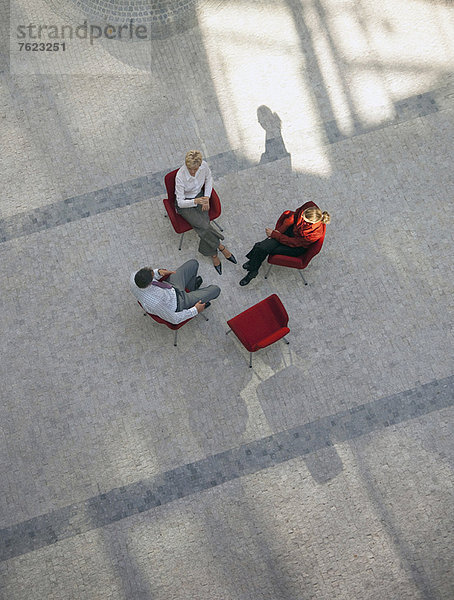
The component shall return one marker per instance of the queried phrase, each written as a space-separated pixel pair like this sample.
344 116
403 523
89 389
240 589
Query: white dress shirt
161 302
187 187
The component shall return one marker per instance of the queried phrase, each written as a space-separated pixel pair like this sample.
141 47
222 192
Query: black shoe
232 259
218 268
198 282
246 265
248 278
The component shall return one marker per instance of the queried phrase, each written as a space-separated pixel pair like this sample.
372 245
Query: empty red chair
179 224
261 325
296 262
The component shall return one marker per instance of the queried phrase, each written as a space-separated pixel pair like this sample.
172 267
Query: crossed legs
185 277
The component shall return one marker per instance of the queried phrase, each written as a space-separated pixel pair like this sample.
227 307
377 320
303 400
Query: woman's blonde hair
193 159
313 214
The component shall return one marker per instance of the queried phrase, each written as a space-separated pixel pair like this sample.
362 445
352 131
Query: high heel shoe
219 266
231 258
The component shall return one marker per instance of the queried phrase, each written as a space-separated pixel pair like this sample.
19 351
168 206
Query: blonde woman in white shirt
193 187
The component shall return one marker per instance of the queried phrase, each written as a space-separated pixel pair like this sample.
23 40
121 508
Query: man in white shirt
168 299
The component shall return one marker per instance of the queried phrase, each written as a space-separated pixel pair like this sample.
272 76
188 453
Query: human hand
268 231
199 306
164 272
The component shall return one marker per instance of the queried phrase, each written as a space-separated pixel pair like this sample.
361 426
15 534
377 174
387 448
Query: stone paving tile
93 400
136 190
284 534
112 430
192 478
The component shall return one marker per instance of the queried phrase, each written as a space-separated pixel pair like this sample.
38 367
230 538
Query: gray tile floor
135 470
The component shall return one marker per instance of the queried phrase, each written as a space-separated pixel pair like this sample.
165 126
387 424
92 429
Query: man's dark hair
144 277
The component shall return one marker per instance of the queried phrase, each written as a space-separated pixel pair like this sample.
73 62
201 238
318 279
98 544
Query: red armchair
169 325
261 325
296 262
179 224
173 326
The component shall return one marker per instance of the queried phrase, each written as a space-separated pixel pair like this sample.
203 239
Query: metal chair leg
227 332
286 341
181 241
175 338
206 318
218 226
269 269
302 276
250 360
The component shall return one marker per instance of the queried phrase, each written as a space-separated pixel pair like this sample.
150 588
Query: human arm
297 241
175 317
180 194
163 272
285 221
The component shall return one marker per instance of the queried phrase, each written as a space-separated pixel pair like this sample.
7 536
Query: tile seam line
96 503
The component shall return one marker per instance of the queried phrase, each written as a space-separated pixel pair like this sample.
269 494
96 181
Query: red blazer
311 231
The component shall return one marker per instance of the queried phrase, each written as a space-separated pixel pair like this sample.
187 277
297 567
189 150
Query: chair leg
181 241
302 276
206 318
218 226
175 338
227 332
269 269
286 341
250 360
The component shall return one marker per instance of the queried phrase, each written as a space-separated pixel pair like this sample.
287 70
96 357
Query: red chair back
172 326
298 262
262 324
169 181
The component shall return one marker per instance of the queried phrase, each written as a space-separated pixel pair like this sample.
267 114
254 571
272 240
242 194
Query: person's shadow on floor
274 144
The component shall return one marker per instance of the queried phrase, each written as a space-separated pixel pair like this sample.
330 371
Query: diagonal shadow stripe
120 503
106 199
149 186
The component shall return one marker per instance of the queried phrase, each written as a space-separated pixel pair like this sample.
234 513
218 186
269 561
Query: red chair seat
261 325
178 223
294 262
173 326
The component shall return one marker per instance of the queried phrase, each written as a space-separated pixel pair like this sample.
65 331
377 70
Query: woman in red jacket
295 232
